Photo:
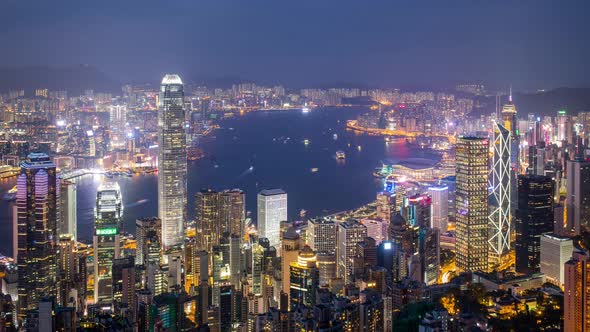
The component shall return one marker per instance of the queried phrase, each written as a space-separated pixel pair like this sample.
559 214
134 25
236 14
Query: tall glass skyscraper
108 215
472 204
500 181
272 209
172 161
37 213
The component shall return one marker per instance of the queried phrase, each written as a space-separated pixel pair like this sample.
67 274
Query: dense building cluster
500 241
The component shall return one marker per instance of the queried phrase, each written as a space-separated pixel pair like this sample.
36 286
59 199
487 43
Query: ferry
306 141
305 109
340 154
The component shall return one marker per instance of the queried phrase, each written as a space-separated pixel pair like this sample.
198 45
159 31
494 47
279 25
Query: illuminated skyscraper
272 209
472 203
36 201
304 279
147 234
108 215
564 130
171 161
500 195
439 215
232 211
207 219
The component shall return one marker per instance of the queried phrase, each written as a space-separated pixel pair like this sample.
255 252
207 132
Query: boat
314 169
306 141
10 195
340 154
335 136
305 109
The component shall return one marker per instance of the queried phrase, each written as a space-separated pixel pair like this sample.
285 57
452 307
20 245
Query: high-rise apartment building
108 215
472 203
272 209
171 161
576 315
37 213
534 217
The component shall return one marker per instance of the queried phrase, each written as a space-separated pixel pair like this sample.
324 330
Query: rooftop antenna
510 95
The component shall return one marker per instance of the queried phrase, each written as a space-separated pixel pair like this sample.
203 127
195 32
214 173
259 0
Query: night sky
529 44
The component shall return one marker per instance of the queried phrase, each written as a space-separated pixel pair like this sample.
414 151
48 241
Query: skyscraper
500 195
555 252
207 219
171 161
108 215
321 235
304 279
472 203
534 216
272 209
68 210
577 195
576 316
147 231
232 211
439 215
350 233
36 201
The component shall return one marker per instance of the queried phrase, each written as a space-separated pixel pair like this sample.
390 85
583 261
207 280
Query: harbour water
256 151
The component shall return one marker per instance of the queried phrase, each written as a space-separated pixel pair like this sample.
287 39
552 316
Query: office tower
232 212
68 209
564 125
555 252
235 260
321 235
577 195
500 194
417 210
534 216
439 214
108 215
327 266
207 219
385 206
376 229
537 159
203 263
366 253
257 268
429 250
576 313
472 203
37 187
291 244
304 279
148 234
124 280
350 233
171 161
66 268
272 209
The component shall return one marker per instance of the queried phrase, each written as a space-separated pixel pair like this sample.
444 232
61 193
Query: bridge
79 172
